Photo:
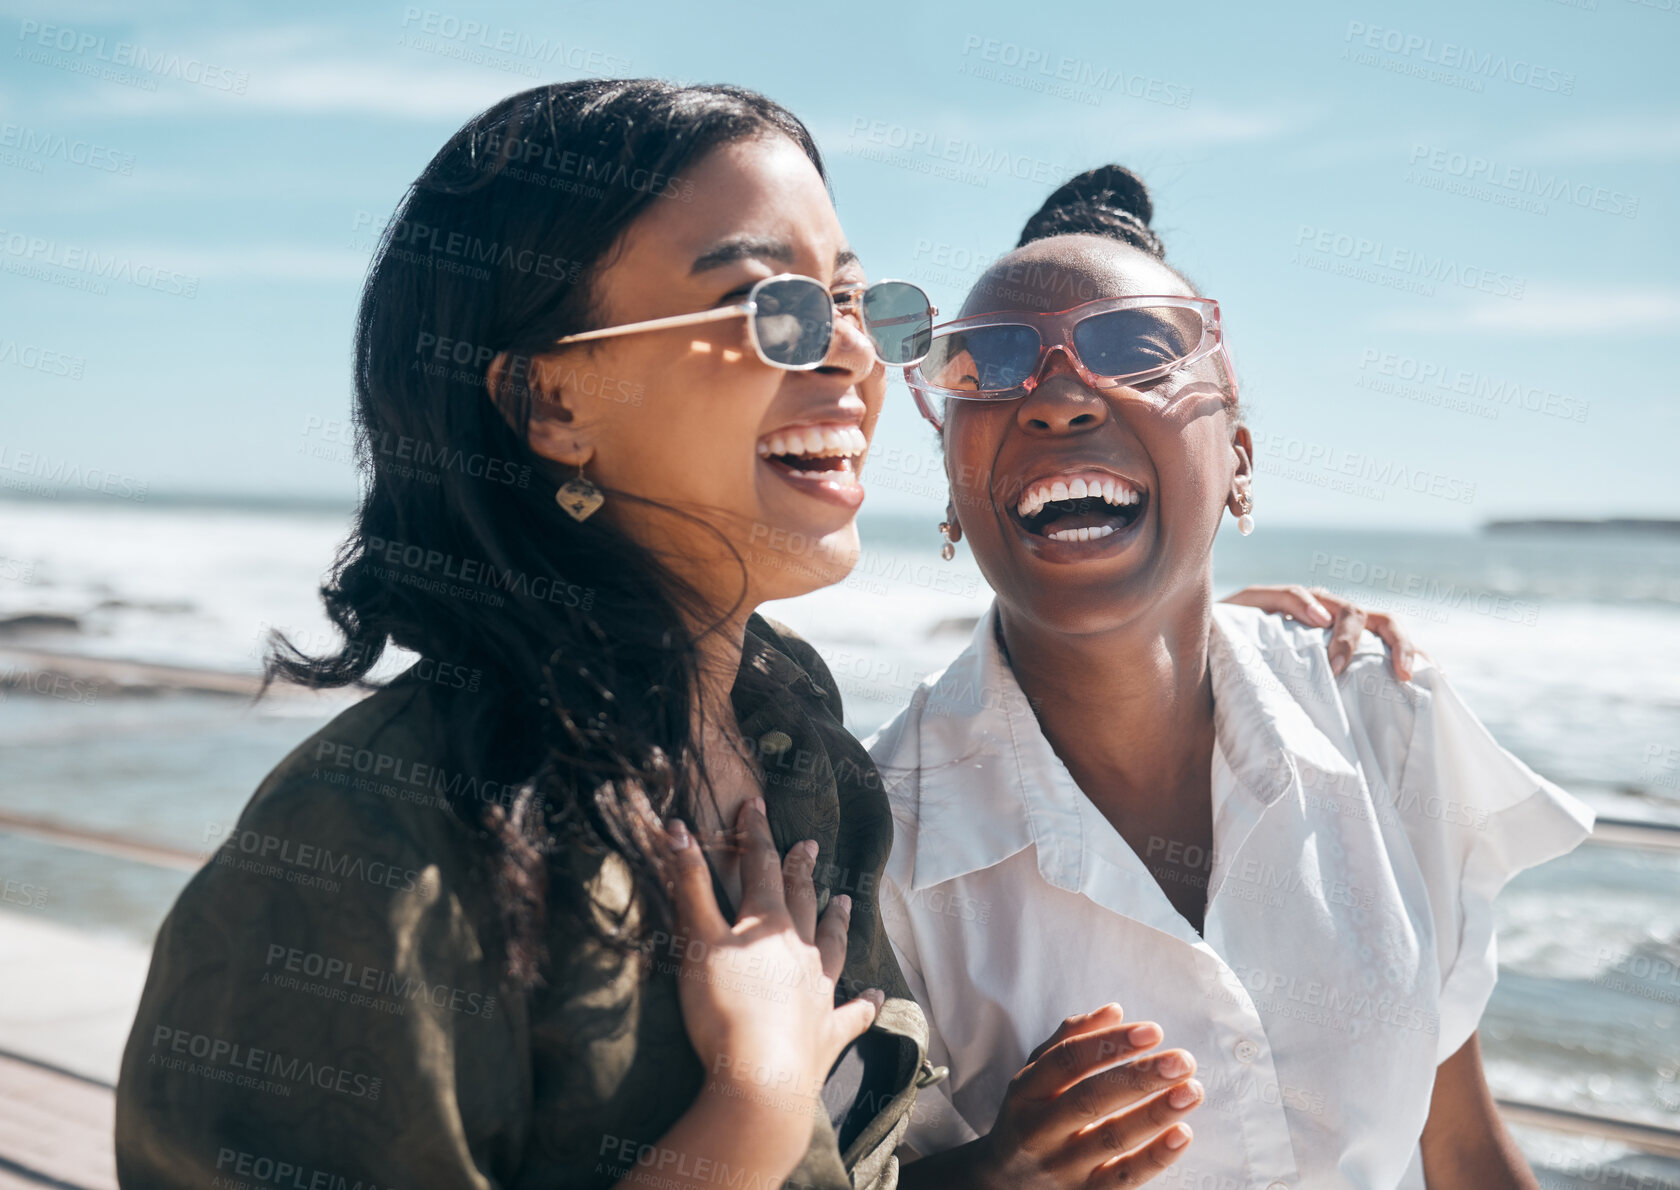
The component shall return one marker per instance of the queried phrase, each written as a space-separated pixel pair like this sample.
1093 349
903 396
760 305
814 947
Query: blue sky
1444 236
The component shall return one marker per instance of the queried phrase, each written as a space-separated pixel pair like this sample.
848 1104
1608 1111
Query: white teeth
822 441
1092 534
1036 496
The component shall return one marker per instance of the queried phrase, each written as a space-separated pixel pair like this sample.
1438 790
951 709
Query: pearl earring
949 549
1245 522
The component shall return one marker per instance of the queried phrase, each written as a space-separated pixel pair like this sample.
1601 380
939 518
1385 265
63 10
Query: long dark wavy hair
585 710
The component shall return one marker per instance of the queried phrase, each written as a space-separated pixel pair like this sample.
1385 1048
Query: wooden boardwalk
55 1128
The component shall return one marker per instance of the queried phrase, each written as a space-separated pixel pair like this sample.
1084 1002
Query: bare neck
1128 710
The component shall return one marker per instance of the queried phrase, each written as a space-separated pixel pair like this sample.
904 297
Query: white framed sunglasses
790 321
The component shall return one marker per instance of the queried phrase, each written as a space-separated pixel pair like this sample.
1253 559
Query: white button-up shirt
1361 829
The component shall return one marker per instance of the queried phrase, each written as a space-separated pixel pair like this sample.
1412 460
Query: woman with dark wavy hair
442 946
586 896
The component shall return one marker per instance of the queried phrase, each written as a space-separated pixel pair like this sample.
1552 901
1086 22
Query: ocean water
1567 645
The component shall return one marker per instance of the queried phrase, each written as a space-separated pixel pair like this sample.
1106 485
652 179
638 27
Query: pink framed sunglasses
1111 343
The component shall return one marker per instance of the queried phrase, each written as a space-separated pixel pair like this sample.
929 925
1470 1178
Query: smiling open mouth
1080 508
816 452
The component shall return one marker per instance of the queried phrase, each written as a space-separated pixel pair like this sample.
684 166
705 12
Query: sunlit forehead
1066 271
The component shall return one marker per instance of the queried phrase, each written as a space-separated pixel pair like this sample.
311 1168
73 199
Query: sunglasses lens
795 322
899 320
987 359
1127 342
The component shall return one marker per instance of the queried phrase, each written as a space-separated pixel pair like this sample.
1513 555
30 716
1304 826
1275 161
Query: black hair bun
1109 200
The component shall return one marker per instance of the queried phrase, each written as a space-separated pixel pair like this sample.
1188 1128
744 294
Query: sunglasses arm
659 324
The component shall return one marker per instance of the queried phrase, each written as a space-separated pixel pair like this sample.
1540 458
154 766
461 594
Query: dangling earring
1245 522
949 549
579 497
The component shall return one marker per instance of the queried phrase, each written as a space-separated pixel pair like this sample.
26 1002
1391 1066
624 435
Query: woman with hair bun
1269 847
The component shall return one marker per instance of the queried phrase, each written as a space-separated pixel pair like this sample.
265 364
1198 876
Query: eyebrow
741 248
754 247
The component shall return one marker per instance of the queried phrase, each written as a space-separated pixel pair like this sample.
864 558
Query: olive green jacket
327 1008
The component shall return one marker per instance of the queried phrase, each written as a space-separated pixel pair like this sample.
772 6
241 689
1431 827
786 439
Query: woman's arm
1464 1140
292 987
758 1004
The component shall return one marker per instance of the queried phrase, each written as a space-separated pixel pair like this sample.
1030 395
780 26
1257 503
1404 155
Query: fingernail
758 804
844 902
679 834
1173 1066
1178 1137
875 996
810 848
1337 664
1185 1094
1144 1036
1321 614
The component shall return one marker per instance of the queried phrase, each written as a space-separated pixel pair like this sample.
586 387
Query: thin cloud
265 262
1209 125
1118 127
1558 312
302 70
1624 137
392 90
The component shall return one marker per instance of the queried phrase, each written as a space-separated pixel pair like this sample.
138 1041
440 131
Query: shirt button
774 743
1246 1051
1277 1186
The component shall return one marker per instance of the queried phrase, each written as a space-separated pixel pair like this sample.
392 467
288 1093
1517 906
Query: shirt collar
761 654
985 781
1275 704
